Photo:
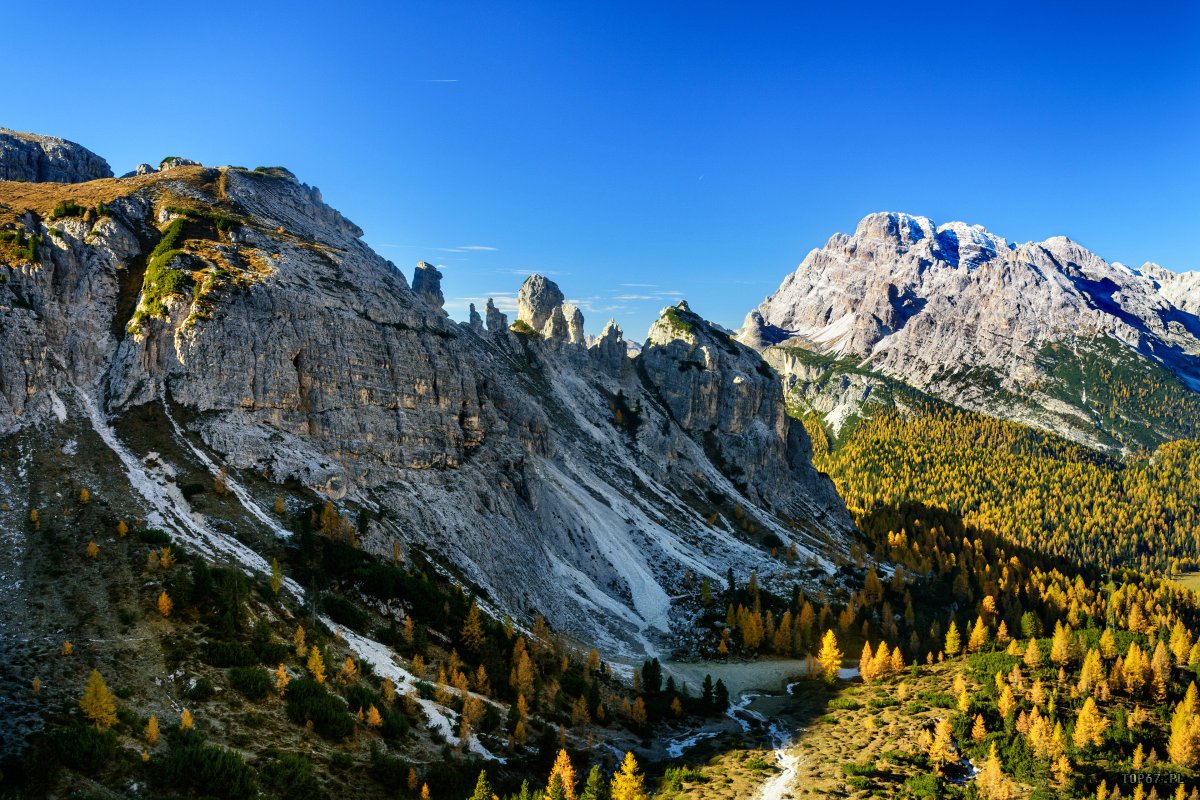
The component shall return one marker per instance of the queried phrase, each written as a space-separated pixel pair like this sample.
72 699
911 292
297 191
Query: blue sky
640 152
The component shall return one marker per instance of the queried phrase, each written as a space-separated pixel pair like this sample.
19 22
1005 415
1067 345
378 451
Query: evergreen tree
721 696
483 789
596 787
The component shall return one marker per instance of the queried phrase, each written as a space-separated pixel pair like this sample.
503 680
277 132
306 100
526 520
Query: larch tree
151 732
1089 726
1061 646
186 723
472 630
866 663
276 580
164 603
941 750
298 641
628 783
93 550
991 781
979 636
979 729
281 679
953 640
565 772
1183 746
830 656
374 719
97 703
316 664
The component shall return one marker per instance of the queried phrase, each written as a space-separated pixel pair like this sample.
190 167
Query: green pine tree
596 787
483 789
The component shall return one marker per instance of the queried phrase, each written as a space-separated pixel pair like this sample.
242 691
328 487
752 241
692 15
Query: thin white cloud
527 272
634 297
478 247
640 285
507 303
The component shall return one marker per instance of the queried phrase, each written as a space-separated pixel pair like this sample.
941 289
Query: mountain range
1044 333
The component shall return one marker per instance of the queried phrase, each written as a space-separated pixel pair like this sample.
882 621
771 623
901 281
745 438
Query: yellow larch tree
565 772
316 664
941 745
628 783
830 656
1090 725
151 732
164 604
281 679
97 703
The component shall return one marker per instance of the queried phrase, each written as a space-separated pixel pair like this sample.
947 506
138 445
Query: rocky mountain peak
542 306
537 299
427 283
933 303
47 159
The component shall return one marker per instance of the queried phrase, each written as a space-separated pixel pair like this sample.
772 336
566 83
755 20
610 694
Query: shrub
865 768
844 703
674 777
201 690
154 536
343 612
229 654
67 208
253 682
292 776
924 786
84 749
307 701
522 328
205 769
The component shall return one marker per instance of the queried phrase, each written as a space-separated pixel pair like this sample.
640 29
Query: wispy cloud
505 301
640 285
467 248
527 272
634 297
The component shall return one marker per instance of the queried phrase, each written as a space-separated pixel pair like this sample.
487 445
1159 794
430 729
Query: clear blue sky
635 150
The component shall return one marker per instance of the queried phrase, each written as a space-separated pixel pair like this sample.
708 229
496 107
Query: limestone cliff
554 477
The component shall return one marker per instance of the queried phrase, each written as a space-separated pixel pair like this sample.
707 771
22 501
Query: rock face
572 482
712 384
427 283
38 159
496 321
972 318
537 300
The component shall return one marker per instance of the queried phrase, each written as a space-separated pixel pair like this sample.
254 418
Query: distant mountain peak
930 303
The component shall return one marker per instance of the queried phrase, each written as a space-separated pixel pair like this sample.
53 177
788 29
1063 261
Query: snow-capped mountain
1042 332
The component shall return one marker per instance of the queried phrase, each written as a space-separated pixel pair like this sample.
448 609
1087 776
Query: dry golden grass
17 197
